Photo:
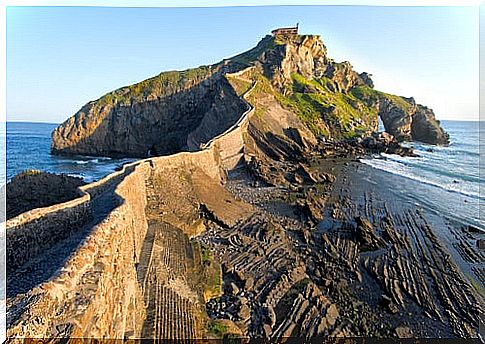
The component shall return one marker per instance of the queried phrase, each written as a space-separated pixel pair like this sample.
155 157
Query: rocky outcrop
34 189
408 121
160 122
383 143
395 118
306 55
345 77
426 128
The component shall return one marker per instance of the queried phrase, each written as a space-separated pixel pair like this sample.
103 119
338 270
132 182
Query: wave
77 175
97 158
383 165
457 146
436 167
84 162
446 151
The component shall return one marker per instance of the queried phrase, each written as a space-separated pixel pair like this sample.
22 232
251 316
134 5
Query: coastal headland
262 223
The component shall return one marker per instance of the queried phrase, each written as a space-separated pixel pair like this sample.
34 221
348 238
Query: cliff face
177 111
155 120
336 101
306 55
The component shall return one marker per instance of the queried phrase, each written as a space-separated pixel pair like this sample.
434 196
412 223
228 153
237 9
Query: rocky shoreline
343 257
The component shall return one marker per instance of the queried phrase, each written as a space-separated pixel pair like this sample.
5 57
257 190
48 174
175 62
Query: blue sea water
28 147
449 180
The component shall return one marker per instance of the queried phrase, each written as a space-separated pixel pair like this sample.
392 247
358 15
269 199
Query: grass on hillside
318 106
315 101
217 328
367 93
157 85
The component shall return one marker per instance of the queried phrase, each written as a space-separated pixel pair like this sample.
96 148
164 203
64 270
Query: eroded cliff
154 117
177 111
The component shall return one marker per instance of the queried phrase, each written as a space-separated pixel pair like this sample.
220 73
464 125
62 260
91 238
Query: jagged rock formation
411 121
177 111
403 118
425 127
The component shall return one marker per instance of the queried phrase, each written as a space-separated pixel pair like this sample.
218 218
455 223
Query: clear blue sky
59 58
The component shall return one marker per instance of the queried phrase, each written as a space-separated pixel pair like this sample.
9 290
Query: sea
448 178
28 147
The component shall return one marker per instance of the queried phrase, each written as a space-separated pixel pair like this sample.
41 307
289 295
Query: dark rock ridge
176 111
411 122
425 127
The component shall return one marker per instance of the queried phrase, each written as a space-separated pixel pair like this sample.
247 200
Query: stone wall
96 294
30 233
230 146
208 160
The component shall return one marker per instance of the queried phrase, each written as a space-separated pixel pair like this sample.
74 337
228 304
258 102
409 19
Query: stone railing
32 232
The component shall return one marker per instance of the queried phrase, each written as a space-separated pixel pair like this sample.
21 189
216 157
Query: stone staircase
174 303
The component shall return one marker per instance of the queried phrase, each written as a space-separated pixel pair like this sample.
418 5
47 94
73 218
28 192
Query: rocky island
177 111
248 214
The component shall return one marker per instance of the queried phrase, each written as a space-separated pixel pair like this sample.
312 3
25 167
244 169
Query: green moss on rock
217 328
370 95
